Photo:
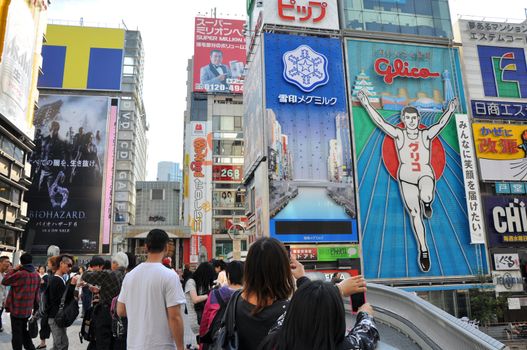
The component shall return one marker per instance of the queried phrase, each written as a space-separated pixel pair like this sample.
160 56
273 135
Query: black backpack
216 321
87 331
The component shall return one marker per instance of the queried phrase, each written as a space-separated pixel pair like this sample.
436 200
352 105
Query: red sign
227 173
304 254
401 68
219 55
316 11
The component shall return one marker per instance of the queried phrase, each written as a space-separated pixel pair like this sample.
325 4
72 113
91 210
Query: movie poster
67 173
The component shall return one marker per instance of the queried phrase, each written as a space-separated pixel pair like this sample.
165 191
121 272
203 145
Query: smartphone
288 248
357 300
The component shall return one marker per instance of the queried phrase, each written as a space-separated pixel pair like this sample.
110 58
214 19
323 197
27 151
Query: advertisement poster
68 168
414 219
310 167
506 262
501 150
253 112
16 66
506 220
219 55
302 13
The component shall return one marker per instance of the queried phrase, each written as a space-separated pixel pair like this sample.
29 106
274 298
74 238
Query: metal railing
426 324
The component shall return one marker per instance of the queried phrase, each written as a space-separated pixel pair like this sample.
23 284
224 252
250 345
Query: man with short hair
213 76
151 297
4 266
108 284
22 300
56 289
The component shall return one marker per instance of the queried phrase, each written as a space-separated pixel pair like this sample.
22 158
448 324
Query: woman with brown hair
268 283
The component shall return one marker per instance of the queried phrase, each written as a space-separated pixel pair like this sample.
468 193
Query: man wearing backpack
217 303
56 289
108 284
22 300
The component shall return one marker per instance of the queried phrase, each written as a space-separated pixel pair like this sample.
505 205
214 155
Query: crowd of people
266 302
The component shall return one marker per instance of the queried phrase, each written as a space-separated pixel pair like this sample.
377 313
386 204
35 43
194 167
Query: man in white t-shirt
150 297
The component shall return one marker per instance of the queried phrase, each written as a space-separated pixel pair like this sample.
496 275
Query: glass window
227 122
8 146
354 20
5 190
128 70
390 22
158 194
372 19
128 61
423 7
238 123
19 155
15 196
408 24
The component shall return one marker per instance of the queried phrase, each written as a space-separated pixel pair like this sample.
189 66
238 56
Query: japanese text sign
470 176
321 14
503 262
219 55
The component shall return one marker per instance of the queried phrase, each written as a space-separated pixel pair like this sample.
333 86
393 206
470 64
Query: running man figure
415 174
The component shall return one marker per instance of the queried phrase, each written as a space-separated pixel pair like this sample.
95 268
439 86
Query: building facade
91 140
22 26
214 148
322 172
157 206
495 68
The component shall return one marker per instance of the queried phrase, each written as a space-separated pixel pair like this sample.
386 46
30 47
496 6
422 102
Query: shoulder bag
67 313
226 338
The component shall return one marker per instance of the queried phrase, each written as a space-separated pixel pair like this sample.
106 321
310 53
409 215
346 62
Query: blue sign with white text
310 165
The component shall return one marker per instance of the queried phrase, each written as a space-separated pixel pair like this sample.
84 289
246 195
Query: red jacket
23 296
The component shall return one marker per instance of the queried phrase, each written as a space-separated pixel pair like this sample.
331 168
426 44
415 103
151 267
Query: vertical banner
310 167
65 200
414 217
219 55
200 184
108 176
470 176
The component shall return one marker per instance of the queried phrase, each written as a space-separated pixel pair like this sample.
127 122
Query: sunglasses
69 264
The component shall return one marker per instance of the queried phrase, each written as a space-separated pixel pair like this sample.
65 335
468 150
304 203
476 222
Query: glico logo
503 71
400 68
200 153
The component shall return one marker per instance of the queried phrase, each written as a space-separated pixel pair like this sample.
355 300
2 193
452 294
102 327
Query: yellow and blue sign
84 58
504 71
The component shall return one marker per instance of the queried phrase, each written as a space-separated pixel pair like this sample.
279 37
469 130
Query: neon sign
400 68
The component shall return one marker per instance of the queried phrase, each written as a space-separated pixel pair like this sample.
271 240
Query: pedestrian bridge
408 322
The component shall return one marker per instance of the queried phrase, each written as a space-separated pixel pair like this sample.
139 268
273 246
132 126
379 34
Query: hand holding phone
357 300
352 285
297 269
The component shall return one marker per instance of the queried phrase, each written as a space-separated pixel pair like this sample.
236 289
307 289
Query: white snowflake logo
305 68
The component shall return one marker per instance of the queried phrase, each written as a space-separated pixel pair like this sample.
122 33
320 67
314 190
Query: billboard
505 262
501 150
219 55
69 167
302 13
310 166
414 218
253 118
495 65
84 58
506 220
16 67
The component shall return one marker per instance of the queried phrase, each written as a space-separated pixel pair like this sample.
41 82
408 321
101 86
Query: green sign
338 252
249 5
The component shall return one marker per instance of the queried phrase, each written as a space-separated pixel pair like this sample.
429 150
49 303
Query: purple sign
506 220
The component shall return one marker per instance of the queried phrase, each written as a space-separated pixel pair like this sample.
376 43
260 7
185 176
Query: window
128 70
129 61
5 191
157 194
15 196
227 123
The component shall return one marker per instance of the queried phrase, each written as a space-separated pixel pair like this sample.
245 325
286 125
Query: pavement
73 335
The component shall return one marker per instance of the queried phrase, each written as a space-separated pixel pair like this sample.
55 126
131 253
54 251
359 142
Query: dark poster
66 193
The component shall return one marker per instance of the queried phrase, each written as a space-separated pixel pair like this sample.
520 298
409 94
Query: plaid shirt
23 296
108 281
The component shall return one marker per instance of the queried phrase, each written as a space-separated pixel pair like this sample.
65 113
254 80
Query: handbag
226 338
32 326
67 313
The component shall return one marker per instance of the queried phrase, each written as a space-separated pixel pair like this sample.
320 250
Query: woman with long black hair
315 319
197 290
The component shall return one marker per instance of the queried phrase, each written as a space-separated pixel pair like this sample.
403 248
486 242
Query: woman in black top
268 284
315 319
